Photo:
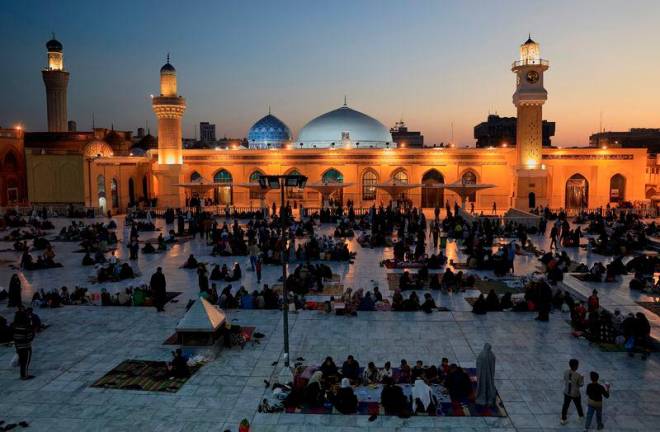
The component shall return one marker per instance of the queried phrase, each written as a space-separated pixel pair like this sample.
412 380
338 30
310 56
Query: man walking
572 383
158 288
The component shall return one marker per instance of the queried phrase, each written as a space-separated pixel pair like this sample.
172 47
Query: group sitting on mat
323 248
44 261
445 389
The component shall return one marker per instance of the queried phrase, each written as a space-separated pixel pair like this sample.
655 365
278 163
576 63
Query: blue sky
430 62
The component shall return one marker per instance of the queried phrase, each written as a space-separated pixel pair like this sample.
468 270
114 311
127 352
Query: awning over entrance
395 188
461 189
326 188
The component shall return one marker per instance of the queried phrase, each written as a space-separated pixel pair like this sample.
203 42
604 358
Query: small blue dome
269 131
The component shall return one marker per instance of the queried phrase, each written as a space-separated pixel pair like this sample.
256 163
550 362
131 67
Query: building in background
207 132
405 138
501 132
634 138
56 80
13 189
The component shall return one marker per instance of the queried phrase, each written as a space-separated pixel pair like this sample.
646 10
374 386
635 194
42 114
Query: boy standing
572 383
595 393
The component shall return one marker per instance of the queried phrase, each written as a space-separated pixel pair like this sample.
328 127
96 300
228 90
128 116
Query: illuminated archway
577 192
254 178
432 196
223 194
369 181
334 176
195 176
617 188
114 192
100 192
470 177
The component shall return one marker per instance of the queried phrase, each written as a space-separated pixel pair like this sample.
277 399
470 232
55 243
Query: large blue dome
268 132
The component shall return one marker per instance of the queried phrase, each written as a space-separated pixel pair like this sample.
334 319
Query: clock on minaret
529 98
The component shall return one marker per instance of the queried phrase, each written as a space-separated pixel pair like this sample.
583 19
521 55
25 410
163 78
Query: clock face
532 77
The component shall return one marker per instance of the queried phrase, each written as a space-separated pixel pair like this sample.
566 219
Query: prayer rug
143 375
485 285
393 281
369 402
393 264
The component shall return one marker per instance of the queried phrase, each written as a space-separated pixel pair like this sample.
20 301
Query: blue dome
269 131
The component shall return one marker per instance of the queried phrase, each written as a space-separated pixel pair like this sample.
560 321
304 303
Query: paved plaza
84 342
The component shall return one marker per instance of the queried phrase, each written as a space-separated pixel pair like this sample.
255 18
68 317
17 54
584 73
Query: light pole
282 182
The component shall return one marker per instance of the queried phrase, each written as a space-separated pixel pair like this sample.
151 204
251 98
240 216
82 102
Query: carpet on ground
369 401
246 332
143 375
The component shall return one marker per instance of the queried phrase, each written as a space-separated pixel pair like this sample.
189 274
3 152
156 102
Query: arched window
223 194
432 196
333 176
195 176
577 192
254 178
131 191
369 180
10 162
469 177
115 193
145 187
617 188
400 176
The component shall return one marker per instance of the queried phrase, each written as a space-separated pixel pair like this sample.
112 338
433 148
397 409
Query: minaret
529 99
169 108
531 185
56 80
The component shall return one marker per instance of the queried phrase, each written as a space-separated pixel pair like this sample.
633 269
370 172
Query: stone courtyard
84 342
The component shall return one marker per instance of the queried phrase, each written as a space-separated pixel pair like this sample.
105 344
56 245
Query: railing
530 62
54 210
648 212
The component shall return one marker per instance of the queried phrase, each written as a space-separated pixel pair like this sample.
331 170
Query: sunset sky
429 62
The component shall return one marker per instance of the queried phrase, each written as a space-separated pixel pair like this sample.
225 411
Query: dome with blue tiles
268 132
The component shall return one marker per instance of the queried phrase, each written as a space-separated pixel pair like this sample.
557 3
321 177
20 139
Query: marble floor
83 343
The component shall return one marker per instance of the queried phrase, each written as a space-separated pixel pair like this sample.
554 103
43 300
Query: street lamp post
281 182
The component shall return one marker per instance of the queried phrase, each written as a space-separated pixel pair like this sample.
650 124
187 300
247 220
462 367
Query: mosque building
343 147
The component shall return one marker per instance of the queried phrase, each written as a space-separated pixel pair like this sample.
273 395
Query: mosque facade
343 146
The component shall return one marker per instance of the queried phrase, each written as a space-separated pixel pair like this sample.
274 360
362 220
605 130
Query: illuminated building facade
343 145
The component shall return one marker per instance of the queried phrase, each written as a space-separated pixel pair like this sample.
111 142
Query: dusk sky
429 62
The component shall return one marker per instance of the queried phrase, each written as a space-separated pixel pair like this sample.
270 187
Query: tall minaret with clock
529 97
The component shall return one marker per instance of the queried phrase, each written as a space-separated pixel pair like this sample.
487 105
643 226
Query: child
595 393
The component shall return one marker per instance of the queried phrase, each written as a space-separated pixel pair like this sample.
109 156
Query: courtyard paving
85 342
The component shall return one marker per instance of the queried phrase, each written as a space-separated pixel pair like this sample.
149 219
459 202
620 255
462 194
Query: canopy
253 187
465 189
327 187
395 188
202 317
200 185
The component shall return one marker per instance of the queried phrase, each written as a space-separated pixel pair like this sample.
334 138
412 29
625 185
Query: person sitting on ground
371 374
506 303
351 369
458 384
429 304
397 300
87 260
405 373
480 307
367 303
411 304
178 367
148 248
314 395
493 302
236 273
392 399
422 398
330 370
191 263
345 400
386 371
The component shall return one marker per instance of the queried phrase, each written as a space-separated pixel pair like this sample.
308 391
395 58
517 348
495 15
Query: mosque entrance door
432 197
531 198
577 192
